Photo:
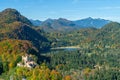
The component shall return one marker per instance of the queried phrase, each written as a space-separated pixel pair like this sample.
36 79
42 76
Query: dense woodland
97 58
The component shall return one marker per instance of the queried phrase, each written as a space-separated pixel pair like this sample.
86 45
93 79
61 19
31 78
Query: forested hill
15 26
11 15
108 35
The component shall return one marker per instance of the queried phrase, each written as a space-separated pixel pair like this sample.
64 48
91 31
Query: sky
69 9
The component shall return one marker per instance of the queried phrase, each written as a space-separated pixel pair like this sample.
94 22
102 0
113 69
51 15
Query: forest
97 58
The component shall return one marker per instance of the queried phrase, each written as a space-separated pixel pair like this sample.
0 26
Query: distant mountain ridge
91 22
36 22
62 24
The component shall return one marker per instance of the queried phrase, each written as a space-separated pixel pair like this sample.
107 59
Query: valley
60 49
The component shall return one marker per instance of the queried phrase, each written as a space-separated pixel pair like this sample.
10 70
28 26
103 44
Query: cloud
109 8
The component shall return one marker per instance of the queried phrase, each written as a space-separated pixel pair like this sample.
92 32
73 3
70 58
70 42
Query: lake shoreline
67 47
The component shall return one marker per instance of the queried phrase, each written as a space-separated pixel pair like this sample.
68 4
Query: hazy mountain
58 25
62 24
36 22
90 22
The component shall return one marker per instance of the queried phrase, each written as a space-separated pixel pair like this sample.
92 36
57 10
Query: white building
27 61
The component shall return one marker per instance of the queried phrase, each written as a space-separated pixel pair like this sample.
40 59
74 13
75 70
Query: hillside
11 51
11 15
109 35
17 39
19 27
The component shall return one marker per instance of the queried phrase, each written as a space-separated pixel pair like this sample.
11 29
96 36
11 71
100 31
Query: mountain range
62 24
92 22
